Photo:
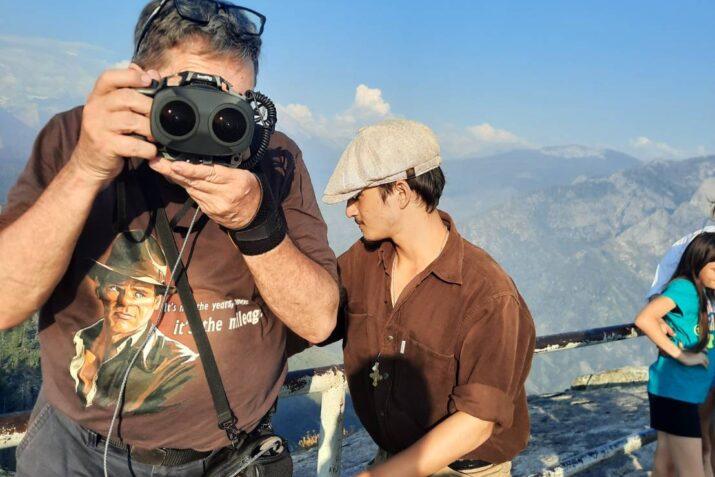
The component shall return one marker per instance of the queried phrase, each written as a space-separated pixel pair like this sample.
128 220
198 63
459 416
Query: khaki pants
494 470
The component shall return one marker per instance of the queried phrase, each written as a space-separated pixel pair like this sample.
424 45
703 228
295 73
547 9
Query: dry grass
312 438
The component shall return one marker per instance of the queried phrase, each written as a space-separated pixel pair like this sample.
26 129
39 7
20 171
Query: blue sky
636 76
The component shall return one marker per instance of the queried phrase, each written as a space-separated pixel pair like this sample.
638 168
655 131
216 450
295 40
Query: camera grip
149 90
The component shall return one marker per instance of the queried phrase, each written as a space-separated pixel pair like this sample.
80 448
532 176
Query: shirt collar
448 265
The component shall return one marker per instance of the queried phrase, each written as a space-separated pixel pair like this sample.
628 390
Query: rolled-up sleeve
306 226
494 360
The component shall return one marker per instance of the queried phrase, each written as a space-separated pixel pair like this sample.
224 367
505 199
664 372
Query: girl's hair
699 253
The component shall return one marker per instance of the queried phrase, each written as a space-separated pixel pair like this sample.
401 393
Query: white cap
385 152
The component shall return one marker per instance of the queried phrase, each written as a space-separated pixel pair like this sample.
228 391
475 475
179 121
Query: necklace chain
394 268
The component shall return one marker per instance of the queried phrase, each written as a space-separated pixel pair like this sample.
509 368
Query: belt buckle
468 464
148 456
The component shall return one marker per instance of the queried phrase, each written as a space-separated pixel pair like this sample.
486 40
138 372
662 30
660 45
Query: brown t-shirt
460 338
167 402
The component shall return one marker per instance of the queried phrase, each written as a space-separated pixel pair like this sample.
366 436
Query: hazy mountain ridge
477 184
583 255
15 144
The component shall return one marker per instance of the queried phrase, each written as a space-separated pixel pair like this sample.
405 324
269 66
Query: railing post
332 410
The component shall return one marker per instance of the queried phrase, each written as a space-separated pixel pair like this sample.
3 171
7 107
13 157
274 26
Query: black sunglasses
201 11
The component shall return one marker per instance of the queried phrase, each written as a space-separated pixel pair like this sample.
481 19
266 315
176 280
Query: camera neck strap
226 419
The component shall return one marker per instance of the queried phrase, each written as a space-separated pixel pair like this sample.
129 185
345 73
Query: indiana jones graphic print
130 284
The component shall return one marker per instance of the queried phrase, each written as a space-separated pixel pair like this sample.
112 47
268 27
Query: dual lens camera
200 119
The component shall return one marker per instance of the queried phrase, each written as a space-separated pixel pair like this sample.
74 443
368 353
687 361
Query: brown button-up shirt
459 338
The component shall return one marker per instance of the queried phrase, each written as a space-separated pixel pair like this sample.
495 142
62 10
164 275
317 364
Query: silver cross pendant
375 375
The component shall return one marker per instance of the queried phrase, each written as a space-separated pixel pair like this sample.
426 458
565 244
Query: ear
157 300
403 193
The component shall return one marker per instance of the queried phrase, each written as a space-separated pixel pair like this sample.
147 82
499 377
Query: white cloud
487 133
40 76
479 140
654 149
120 64
368 106
369 101
299 112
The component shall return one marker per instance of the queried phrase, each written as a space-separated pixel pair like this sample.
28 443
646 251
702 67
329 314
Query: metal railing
581 462
330 382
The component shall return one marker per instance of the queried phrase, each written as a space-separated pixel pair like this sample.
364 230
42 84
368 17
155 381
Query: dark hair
699 253
169 29
427 186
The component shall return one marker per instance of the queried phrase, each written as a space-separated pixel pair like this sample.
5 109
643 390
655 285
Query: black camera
199 118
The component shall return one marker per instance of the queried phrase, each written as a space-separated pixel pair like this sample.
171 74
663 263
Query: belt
458 465
467 464
160 456
173 457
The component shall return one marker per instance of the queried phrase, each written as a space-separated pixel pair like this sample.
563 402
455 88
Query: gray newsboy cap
381 153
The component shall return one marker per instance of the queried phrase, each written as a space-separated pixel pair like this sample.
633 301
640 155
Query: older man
274 266
438 342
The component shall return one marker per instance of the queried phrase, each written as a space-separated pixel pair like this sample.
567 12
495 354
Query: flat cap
381 153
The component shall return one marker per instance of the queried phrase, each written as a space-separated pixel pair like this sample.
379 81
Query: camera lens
229 125
177 118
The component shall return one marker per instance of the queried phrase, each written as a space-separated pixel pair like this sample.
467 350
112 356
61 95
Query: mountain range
583 255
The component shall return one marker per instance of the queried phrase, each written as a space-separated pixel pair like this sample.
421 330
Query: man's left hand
230 197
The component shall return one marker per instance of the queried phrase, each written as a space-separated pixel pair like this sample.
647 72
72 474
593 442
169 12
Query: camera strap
226 419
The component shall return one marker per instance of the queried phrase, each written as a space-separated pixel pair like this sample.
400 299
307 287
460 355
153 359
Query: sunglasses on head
202 11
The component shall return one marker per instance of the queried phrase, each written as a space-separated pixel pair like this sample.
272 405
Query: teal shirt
668 377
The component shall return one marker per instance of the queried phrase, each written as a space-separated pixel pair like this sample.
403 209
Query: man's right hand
114 115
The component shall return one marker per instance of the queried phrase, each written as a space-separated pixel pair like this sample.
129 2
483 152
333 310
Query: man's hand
114 112
449 440
230 197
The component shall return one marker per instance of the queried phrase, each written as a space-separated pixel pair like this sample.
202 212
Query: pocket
424 379
34 429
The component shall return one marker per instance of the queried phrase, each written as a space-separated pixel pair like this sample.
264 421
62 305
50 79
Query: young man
437 340
272 267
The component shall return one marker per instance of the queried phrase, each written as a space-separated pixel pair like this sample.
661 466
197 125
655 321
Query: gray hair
169 29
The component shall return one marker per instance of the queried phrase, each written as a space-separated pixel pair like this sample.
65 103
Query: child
680 378
663 273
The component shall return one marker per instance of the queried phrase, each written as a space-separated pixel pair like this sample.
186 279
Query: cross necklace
375 375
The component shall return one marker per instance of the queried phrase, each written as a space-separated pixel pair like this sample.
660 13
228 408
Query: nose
122 296
350 209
